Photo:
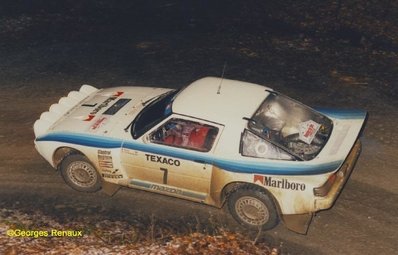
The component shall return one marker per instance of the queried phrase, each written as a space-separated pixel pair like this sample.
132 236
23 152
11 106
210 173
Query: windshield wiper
251 120
126 129
272 92
149 100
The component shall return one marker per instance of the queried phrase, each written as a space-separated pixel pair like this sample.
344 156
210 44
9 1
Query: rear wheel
253 208
78 172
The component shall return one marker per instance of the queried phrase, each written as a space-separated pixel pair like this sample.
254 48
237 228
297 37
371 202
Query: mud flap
298 222
110 188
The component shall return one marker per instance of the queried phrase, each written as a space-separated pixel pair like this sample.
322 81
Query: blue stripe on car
238 166
82 139
342 113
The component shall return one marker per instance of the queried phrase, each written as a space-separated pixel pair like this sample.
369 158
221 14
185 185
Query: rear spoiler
64 105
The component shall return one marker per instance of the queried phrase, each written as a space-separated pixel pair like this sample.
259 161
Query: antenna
222 77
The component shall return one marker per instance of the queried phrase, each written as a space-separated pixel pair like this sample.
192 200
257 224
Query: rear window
291 126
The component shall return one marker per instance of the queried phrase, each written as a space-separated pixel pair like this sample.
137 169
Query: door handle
200 161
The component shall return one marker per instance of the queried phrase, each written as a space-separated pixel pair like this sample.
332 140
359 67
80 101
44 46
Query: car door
175 157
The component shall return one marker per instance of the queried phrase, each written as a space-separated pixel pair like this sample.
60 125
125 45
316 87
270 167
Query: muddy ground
46 52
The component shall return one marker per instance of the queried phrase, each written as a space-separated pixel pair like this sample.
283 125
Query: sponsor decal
166 189
277 183
98 123
113 176
308 130
102 105
130 152
105 159
163 160
110 171
89 117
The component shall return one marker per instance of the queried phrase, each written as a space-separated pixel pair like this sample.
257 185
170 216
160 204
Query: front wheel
78 172
253 208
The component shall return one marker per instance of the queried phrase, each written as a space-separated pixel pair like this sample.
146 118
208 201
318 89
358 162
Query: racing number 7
165 172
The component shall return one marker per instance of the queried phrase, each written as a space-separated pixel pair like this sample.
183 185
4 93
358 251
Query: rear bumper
342 175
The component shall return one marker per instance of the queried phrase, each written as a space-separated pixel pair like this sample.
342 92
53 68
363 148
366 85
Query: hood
92 110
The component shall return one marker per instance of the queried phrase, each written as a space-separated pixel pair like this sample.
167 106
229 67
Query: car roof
220 100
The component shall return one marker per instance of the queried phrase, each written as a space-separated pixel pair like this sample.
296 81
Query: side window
185 134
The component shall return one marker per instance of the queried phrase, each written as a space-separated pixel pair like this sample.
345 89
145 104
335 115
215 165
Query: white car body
85 122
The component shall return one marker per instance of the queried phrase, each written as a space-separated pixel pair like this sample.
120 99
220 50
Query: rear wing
58 110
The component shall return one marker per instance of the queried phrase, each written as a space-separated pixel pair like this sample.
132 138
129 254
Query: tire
78 172
253 208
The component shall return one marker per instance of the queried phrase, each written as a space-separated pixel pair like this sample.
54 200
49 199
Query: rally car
216 141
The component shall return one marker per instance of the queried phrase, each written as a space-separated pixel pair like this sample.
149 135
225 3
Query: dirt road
363 221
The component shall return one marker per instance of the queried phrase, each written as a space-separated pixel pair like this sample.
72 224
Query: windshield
152 114
291 126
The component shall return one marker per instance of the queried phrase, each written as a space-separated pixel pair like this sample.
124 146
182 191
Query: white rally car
216 141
